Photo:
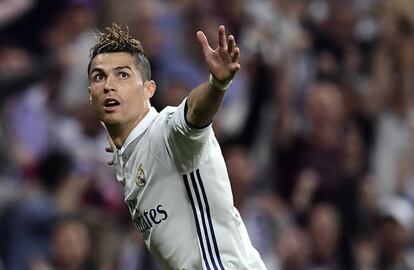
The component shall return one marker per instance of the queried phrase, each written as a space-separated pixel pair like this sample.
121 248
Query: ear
90 97
150 88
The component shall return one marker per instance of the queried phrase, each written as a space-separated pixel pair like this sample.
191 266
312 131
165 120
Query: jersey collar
139 129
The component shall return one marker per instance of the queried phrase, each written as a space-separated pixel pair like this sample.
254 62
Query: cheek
94 101
135 96
134 105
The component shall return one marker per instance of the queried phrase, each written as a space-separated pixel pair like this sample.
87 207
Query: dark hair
114 39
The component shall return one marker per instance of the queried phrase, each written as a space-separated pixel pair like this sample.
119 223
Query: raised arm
223 64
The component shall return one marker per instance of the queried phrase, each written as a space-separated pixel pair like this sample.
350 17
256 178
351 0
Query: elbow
196 118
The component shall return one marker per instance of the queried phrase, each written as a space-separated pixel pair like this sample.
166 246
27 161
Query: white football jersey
179 195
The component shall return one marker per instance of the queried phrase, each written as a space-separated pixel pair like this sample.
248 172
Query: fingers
226 44
235 55
234 67
222 38
202 39
229 46
223 61
232 44
233 50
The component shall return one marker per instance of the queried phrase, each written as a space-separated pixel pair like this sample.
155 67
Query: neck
119 132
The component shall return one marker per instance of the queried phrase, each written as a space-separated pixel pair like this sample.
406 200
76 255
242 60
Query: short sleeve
188 145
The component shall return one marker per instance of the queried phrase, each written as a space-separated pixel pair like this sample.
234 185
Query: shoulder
159 131
169 110
163 112
162 120
174 116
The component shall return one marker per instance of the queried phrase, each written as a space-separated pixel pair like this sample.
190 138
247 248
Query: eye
123 75
99 77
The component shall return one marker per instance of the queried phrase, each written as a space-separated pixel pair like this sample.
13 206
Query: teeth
111 103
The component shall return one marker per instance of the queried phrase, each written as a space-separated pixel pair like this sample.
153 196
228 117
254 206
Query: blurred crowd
317 129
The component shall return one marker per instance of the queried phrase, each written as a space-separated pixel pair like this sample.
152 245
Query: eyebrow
122 67
96 70
100 70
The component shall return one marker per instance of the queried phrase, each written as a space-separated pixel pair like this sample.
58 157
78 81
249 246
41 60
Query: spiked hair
114 39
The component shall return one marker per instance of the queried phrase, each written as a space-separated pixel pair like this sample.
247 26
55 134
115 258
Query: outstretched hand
223 62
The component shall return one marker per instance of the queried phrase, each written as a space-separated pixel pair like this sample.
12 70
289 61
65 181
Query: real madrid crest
140 178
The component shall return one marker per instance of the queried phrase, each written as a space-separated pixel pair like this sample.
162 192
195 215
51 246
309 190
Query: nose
109 84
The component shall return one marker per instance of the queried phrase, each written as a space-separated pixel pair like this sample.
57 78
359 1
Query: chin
110 120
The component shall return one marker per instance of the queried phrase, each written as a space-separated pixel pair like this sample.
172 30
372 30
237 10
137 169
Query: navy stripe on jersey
203 219
204 209
213 235
187 187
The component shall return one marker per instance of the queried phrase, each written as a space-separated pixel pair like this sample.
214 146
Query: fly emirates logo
149 218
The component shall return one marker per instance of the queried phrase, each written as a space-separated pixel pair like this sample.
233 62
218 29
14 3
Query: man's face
118 94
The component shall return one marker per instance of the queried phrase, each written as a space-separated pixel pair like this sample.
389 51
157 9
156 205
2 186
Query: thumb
202 39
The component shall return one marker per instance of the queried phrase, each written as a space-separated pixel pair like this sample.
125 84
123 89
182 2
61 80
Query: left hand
223 62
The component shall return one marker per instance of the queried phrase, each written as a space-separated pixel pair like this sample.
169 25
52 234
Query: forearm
203 102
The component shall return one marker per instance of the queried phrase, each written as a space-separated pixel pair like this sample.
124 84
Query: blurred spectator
394 231
71 247
30 221
318 150
242 174
293 249
10 10
262 211
365 253
324 233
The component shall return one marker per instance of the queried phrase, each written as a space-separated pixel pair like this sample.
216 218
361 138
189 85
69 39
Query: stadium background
317 129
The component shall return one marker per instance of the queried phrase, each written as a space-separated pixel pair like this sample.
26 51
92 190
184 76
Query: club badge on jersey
140 178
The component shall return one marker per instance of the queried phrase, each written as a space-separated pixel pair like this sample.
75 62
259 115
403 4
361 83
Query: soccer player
170 163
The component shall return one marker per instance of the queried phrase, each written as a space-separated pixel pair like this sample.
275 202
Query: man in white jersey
170 164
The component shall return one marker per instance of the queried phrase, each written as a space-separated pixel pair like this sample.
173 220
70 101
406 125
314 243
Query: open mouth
110 103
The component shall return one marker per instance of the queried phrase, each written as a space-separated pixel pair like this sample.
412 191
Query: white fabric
179 195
